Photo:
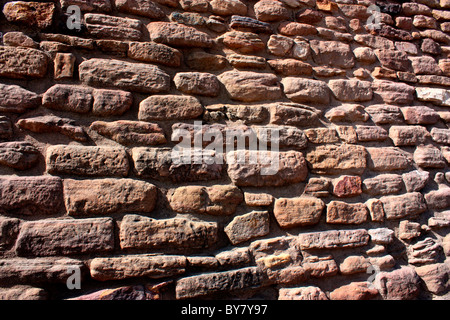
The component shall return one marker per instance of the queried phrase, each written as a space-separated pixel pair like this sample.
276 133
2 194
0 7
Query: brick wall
357 207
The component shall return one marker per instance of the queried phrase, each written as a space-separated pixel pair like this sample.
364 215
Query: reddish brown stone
347 186
296 212
33 14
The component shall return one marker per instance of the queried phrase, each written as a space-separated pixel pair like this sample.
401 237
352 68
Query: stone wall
358 205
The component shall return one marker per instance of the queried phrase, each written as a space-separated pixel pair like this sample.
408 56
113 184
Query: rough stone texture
106 196
87 161
295 212
30 195
120 144
124 75
65 237
150 266
141 232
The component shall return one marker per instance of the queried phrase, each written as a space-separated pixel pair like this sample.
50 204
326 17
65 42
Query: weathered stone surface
371 133
429 157
169 107
234 257
375 42
347 186
178 35
400 284
88 5
383 184
385 114
194 5
341 159
249 24
339 212
38 270
241 61
290 67
415 180
154 52
21 293
441 135
125 267
302 293
258 199
141 232
106 196
420 115
439 199
435 276
248 226
376 211
228 7
424 252
351 90
18 155
203 61
405 205
296 29
425 65
292 114
294 212
243 42
54 124
347 113
334 239
306 90
124 75
260 168
210 283
64 65
22 63
140 7
319 267
214 200
161 164
353 265
68 98
19 39
347 134
9 228
65 237
393 92
197 83
392 59
354 291
388 159
33 14
30 195
270 11
249 86
408 135
109 27
435 95
381 235
409 230
128 132
332 53
88 161
279 45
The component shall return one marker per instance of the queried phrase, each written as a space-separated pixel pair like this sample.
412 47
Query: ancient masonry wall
91 104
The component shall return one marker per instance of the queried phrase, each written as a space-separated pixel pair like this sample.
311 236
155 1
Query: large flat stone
22 63
138 77
294 212
178 35
334 239
405 205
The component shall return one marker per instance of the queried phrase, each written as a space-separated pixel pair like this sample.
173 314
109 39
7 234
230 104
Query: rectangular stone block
87 160
210 283
388 159
30 195
339 212
106 196
302 211
22 63
138 77
341 159
110 27
133 266
258 168
159 164
334 239
39 270
139 232
405 205
65 237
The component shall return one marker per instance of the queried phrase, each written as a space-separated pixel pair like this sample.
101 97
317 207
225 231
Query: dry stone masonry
97 110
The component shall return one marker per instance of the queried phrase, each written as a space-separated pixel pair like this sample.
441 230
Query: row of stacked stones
88 115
